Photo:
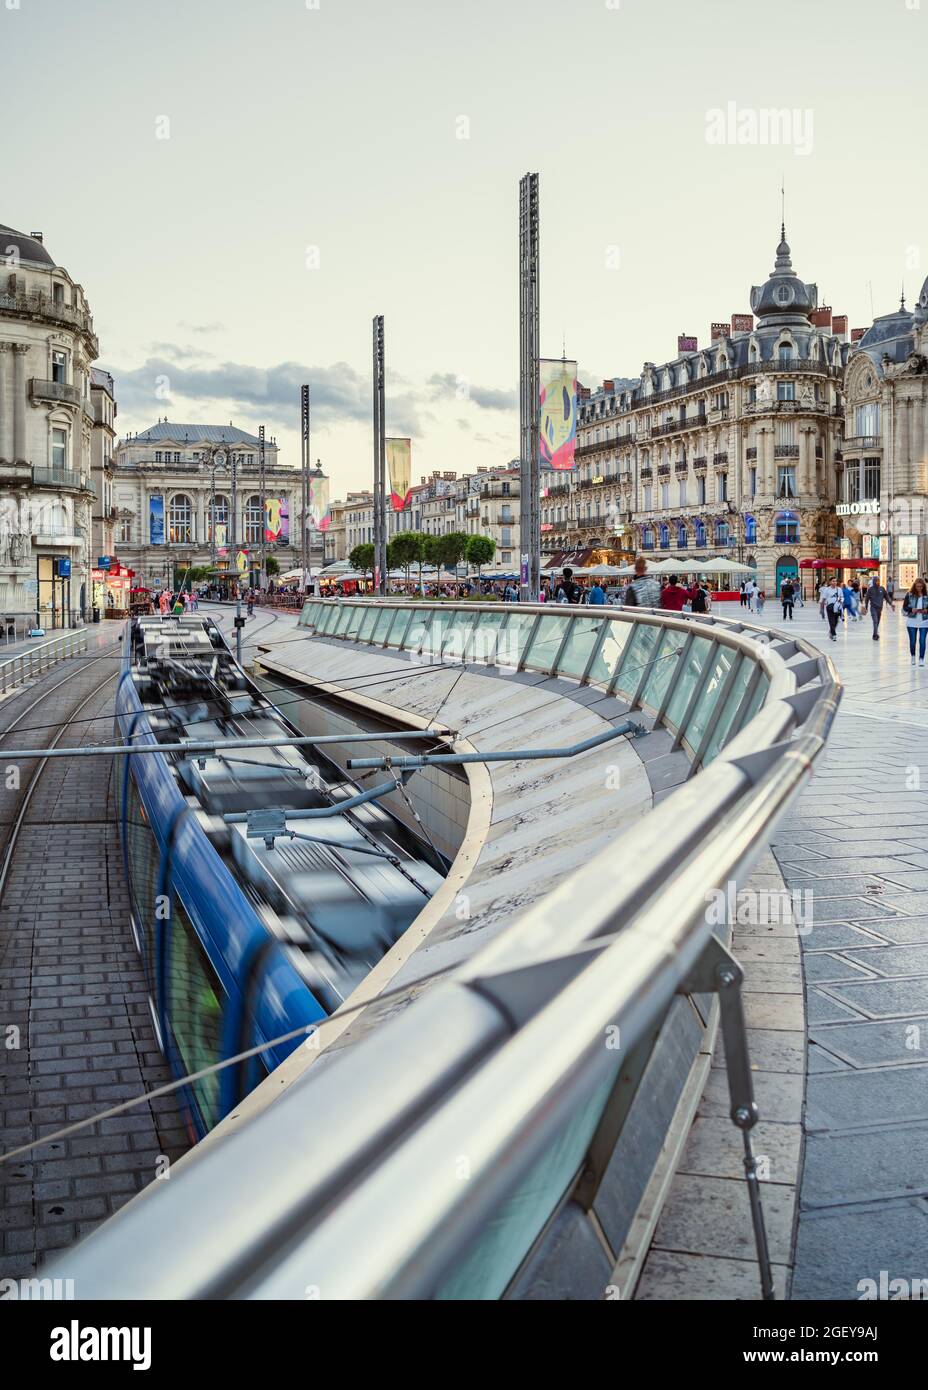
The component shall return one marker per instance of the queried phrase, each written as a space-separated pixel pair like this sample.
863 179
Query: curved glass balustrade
704 684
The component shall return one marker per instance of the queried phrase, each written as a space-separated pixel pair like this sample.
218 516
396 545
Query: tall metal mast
529 506
380 455
304 482
262 582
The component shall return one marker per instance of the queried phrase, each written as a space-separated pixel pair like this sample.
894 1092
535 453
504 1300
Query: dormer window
784 353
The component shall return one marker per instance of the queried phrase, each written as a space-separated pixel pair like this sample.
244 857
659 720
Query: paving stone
843 1168
859 1099
885 998
899 1041
837 1249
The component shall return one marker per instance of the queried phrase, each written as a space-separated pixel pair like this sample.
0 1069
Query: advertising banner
241 562
399 471
557 413
222 535
276 519
156 521
908 548
319 503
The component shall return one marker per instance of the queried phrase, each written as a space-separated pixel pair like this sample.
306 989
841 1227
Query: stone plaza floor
856 841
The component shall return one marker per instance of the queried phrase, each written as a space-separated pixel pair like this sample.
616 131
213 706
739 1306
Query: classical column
916 477
765 459
6 407
803 479
19 401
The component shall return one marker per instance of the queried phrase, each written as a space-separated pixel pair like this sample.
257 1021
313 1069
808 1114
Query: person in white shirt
915 608
822 591
833 603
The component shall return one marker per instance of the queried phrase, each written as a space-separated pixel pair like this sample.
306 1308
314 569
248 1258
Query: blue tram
244 935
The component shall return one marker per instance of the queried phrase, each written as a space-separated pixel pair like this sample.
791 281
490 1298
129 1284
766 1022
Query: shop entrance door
53 603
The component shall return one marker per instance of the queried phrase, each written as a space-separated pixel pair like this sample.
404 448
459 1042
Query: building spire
902 299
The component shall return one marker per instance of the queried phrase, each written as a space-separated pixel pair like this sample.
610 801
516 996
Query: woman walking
915 608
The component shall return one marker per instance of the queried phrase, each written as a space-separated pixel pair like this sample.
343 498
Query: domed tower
784 301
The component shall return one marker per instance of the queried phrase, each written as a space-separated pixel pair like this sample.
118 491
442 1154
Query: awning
839 564
574 559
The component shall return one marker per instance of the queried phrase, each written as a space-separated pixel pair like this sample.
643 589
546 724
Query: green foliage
362 558
450 549
272 566
405 550
479 550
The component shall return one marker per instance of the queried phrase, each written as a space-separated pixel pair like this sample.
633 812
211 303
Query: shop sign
908 548
104 561
96 576
870 508
884 549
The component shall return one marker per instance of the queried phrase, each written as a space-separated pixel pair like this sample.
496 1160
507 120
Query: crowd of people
849 601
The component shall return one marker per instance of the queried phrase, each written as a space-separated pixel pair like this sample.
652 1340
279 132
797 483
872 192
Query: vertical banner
557 413
272 518
156 521
319 503
399 466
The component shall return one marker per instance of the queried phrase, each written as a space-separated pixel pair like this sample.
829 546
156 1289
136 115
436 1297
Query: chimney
609 384
37 236
839 326
720 330
686 344
742 323
857 334
821 317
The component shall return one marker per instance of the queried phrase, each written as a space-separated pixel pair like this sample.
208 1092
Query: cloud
445 384
339 395
202 327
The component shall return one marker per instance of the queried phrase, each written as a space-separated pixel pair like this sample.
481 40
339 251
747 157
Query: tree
272 566
362 558
479 551
405 550
450 549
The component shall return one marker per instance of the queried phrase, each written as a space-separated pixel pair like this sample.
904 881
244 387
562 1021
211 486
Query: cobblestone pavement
856 842
72 984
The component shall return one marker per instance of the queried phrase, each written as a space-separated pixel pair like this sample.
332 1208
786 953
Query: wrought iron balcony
863 441
720 458
786 451
39 306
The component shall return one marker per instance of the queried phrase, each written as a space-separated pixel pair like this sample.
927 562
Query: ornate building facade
883 478
173 500
731 450
47 345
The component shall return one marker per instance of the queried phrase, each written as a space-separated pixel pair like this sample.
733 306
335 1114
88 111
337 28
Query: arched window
700 532
722 533
647 538
664 536
254 521
217 517
682 538
786 528
180 520
785 352
750 530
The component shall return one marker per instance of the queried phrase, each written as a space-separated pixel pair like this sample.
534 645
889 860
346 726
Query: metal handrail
360 1195
35 660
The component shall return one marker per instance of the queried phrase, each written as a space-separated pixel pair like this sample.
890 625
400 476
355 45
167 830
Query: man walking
877 596
786 598
643 591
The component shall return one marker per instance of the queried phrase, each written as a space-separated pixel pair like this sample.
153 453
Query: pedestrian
568 590
891 588
644 591
699 599
877 596
787 596
673 595
834 608
847 596
744 594
822 595
915 608
597 594
761 600
797 592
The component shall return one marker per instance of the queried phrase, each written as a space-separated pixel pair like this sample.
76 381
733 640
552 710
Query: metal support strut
717 972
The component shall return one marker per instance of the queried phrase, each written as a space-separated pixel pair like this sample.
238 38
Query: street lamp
224 456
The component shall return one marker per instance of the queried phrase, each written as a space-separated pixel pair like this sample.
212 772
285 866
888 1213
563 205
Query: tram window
144 860
195 1006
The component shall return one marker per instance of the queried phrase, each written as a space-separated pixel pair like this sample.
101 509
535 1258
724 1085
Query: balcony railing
720 458
863 441
41 307
61 477
786 451
41 390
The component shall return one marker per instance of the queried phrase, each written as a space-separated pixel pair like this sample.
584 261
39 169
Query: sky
241 185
